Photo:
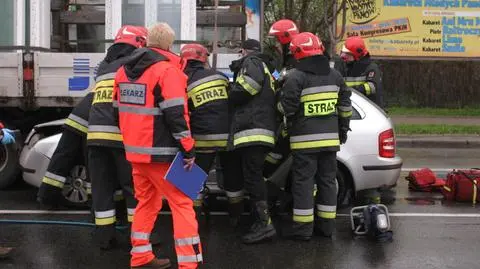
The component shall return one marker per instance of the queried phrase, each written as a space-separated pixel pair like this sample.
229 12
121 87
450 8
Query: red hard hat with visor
305 45
194 52
353 49
132 35
284 30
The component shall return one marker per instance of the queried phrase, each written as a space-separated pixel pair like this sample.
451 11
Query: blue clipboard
189 182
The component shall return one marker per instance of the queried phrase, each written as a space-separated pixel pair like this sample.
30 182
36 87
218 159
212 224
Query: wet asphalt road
428 233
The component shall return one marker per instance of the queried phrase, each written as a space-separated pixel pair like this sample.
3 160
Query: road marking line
441 215
433 169
45 212
219 213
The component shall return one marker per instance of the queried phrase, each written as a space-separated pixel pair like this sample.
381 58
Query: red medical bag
462 186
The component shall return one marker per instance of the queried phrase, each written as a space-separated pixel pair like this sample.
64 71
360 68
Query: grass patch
438 129
450 112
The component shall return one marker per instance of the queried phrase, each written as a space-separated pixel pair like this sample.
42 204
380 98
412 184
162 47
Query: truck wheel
8 165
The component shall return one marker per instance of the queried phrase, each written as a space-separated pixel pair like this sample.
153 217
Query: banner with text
416 28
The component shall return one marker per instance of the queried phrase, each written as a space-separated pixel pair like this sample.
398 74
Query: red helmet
133 35
194 52
284 31
355 46
305 45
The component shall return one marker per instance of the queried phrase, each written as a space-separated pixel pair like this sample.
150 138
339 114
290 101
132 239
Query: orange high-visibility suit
150 92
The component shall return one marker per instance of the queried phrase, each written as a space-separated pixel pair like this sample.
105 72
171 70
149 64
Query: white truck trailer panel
11 74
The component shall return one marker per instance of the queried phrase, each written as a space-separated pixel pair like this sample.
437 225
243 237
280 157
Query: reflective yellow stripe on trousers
105 217
253 135
326 211
314 141
303 215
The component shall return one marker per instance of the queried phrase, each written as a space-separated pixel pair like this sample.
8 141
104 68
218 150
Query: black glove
343 135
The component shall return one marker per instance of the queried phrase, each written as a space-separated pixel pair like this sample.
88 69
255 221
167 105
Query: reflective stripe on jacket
77 121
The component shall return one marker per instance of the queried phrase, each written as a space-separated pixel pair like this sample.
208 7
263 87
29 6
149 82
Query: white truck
50 49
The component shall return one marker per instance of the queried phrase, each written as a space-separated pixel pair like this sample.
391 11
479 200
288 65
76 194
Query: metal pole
333 37
262 20
215 40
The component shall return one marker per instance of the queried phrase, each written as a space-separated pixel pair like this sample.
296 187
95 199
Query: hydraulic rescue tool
371 220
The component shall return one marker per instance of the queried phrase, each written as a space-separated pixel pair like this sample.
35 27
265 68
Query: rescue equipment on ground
424 180
462 186
372 221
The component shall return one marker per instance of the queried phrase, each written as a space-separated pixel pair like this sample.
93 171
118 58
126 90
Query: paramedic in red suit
150 91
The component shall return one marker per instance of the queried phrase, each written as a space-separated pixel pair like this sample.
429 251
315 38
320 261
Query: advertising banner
253 19
415 28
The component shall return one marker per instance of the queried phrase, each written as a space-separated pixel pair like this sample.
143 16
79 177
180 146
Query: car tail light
386 144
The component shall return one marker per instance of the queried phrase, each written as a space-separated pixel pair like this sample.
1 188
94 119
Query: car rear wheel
8 165
77 186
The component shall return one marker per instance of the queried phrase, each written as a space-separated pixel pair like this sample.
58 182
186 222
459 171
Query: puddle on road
422 201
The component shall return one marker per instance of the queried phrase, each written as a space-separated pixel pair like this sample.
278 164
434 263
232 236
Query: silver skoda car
368 160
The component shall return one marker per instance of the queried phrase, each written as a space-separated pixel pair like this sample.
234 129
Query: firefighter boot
5 252
199 208
235 210
104 237
262 228
298 231
324 227
155 264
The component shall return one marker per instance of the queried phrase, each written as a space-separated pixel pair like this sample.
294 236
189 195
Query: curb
437 142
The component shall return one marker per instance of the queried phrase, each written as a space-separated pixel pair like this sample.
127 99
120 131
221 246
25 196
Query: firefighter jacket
316 103
252 100
339 65
365 76
77 121
150 92
103 126
208 106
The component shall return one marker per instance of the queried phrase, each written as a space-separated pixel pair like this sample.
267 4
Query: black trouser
205 161
307 169
108 170
244 169
70 151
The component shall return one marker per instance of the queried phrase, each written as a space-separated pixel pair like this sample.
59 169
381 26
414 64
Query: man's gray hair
160 36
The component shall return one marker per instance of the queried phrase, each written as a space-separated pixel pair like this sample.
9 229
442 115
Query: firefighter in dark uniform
283 30
317 105
208 106
252 130
363 75
106 155
71 149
